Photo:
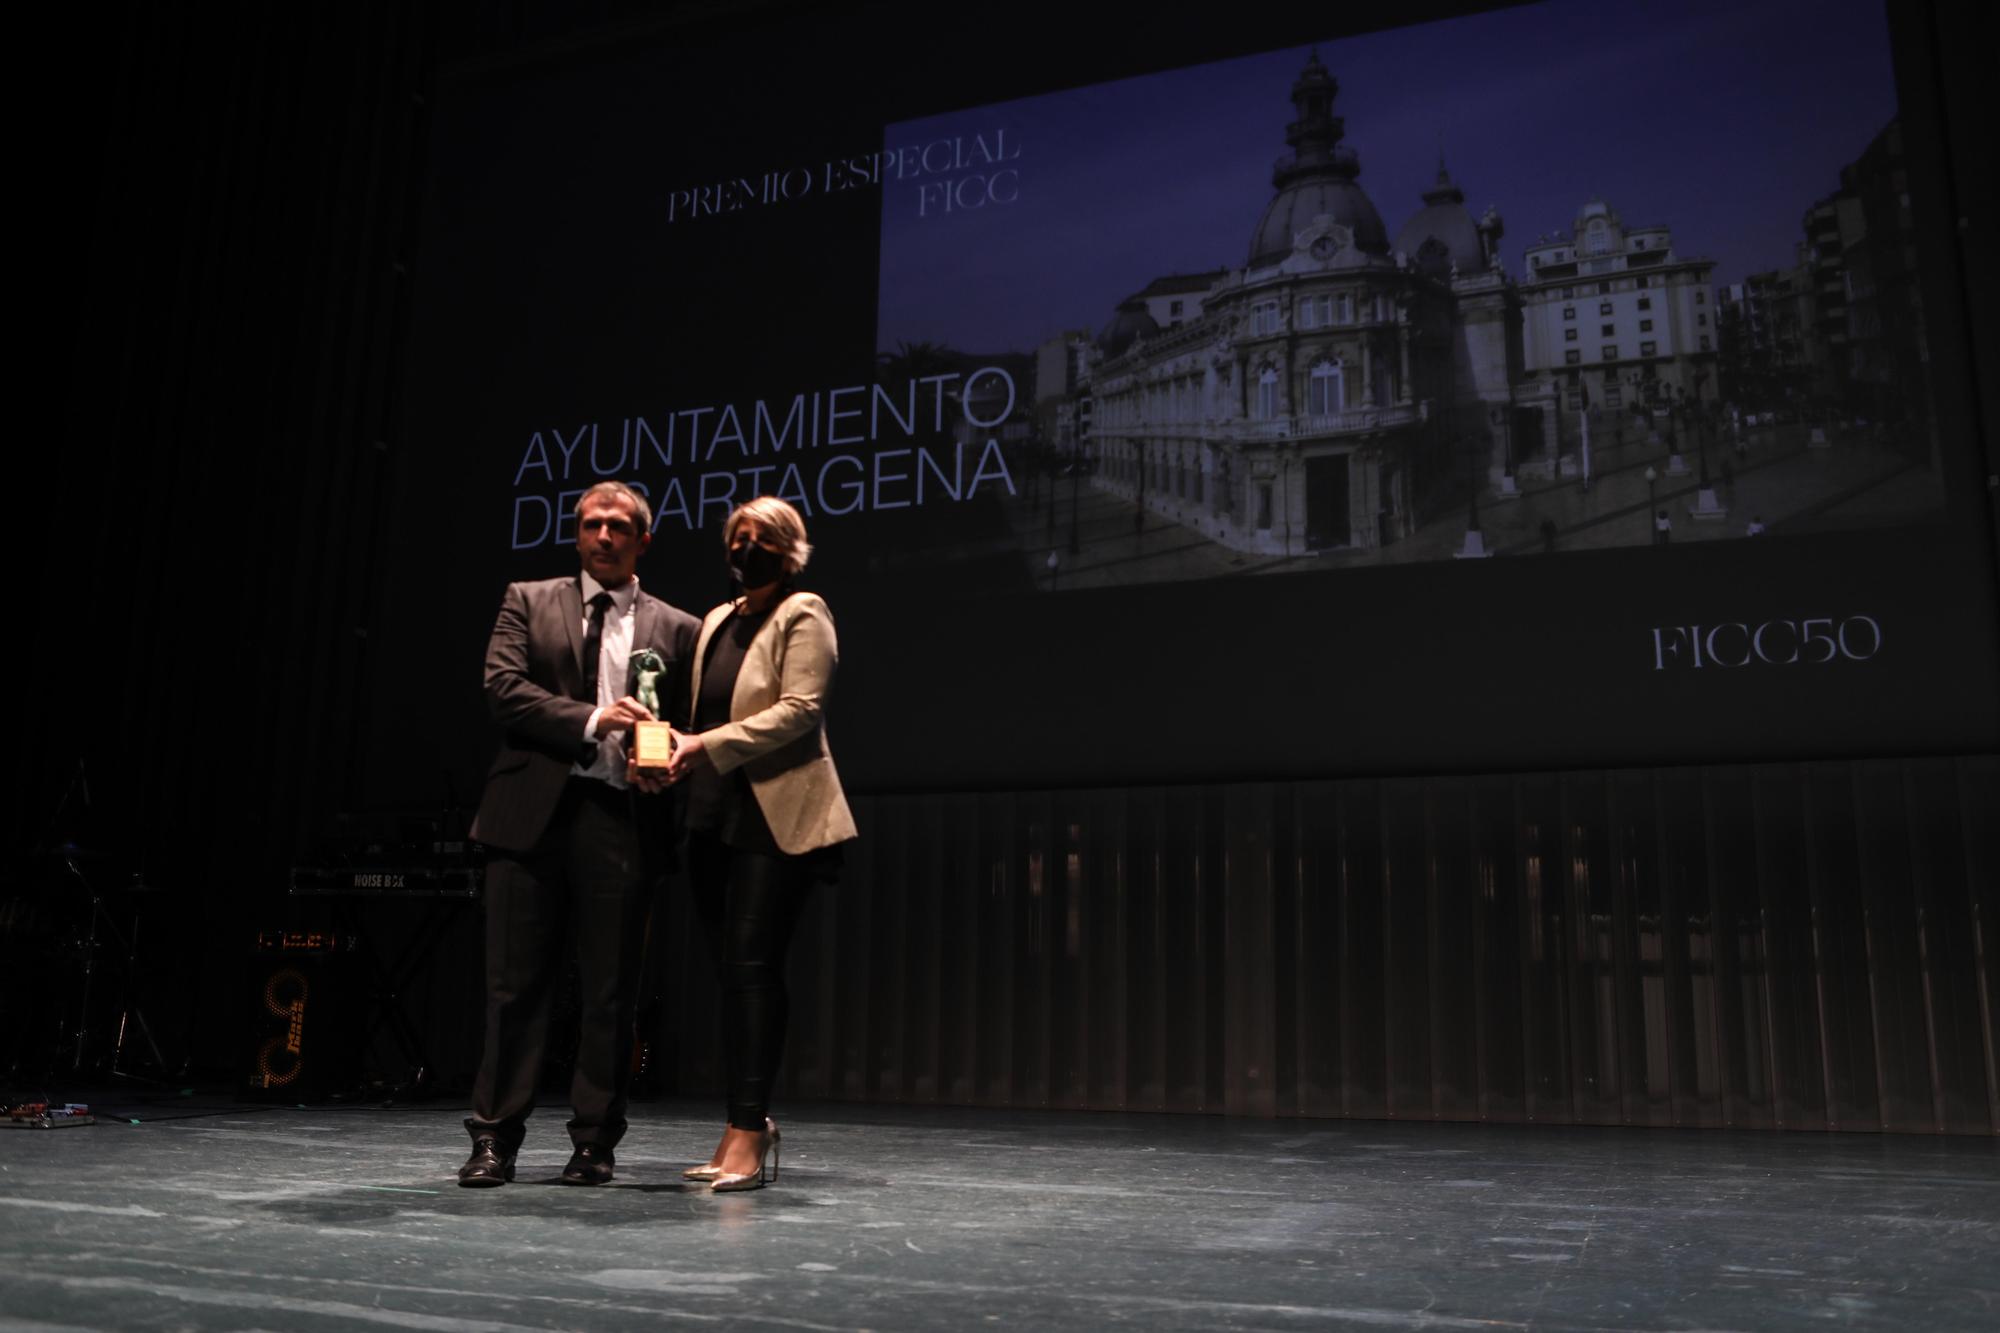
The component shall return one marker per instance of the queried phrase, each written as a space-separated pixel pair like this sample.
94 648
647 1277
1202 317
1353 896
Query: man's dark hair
639 505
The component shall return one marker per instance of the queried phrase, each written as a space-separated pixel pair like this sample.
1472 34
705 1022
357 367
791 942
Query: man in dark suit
576 853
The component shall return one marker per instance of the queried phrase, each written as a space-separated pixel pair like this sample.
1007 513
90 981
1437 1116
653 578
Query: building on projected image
1882 374
1061 410
1336 391
1615 319
1768 356
1841 332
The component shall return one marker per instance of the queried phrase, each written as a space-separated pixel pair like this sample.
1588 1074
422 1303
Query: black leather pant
749 904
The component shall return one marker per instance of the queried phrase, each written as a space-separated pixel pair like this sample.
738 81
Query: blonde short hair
778 522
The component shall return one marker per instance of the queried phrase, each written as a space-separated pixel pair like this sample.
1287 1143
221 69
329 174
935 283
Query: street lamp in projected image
1052 464
1145 461
1652 502
1075 478
1564 388
1690 412
1676 466
1469 445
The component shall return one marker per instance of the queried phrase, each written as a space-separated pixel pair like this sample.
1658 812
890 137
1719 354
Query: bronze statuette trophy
652 742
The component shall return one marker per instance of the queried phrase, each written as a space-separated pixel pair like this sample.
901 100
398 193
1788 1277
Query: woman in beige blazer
765 813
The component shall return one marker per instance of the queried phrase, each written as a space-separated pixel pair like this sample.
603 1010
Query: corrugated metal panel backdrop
1798 946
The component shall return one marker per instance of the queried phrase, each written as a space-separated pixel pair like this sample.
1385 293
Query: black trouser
749 904
589 882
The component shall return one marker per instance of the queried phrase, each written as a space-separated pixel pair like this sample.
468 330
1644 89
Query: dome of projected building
1131 323
1442 237
1316 180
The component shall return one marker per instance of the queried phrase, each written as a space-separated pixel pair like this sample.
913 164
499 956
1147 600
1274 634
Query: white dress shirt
614 652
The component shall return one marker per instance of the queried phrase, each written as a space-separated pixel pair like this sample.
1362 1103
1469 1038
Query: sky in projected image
1723 122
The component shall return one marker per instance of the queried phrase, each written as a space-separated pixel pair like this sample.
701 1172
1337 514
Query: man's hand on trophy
621 715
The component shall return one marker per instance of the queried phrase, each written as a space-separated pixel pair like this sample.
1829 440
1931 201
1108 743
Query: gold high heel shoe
711 1171
767 1166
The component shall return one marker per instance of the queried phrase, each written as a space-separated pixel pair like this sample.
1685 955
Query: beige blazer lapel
761 668
709 624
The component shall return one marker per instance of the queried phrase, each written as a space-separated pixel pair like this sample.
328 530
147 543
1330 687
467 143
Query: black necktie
593 646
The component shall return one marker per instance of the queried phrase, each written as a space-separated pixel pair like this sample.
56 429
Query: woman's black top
722 804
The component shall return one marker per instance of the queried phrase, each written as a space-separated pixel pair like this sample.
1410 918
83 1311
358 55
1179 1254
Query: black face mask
754 567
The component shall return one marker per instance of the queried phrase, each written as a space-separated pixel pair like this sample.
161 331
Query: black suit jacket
534 684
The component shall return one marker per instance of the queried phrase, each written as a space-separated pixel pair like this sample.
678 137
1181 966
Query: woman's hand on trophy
688 752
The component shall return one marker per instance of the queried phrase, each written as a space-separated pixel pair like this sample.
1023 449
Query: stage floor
888 1218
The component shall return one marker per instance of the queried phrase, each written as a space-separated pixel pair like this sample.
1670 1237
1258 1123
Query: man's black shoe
487 1165
588 1165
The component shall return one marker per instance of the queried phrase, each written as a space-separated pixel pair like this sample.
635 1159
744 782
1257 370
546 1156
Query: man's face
608 539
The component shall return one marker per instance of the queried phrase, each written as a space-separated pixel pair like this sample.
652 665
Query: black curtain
231 194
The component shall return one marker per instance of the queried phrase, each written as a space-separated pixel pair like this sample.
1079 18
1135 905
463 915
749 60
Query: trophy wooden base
652 745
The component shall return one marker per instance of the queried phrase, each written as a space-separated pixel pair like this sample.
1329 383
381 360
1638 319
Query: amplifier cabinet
306 1000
